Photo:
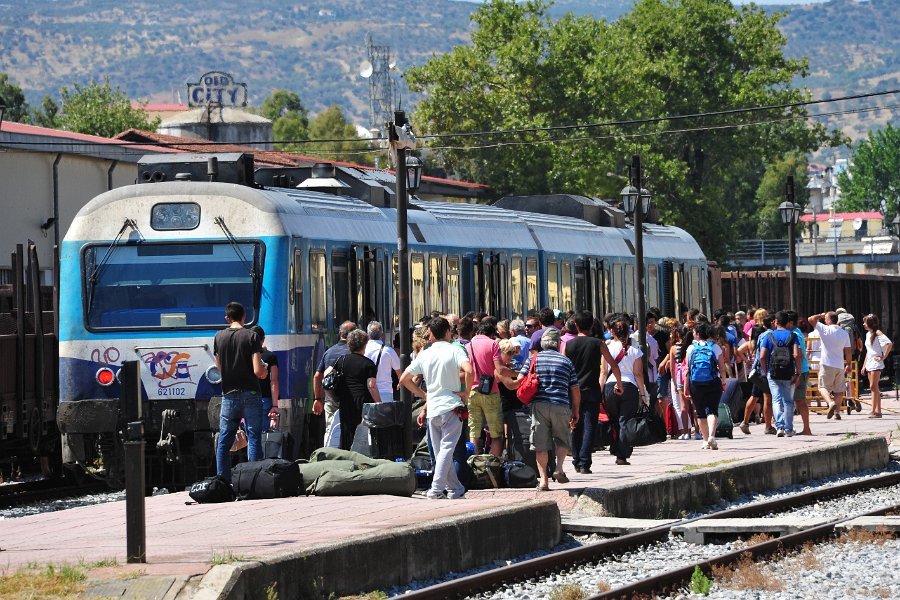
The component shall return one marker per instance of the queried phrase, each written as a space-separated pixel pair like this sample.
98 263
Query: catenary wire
649 120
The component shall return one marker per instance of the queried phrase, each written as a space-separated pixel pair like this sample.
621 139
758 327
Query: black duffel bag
211 490
269 478
644 428
517 474
383 414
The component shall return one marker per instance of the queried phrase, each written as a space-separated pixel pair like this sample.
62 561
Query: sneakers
779 433
771 431
705 446
790 433
698 436
435 496
744 427
457 495
713 444
684 436
584 470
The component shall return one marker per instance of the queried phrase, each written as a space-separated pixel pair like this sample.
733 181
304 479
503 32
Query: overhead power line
554 128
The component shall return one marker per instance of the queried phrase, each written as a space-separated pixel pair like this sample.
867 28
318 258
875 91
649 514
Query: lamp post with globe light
790 216
636 203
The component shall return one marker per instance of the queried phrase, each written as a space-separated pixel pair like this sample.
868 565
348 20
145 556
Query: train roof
316 215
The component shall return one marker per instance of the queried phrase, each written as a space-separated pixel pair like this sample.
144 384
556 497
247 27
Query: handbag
529 386
333 377
644 428
240 440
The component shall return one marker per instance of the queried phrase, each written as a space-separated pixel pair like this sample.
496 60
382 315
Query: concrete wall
26 196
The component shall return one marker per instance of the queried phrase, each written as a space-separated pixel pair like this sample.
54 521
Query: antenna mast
381 85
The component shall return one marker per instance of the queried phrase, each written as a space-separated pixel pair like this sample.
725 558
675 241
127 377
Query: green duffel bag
360 460
487 471
393 479
314 470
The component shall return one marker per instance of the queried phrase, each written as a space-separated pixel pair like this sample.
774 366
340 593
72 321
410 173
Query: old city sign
218 88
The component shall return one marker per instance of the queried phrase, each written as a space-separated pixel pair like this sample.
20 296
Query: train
147 269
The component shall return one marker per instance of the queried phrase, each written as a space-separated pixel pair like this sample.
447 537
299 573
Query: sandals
560 477
542 488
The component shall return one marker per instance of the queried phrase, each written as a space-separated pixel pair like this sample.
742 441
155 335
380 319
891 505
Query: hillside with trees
152 49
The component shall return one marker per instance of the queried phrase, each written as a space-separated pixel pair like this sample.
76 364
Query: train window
581 301
531 285
297 288
435 283
169 284
652 285
395 284
695 288
340 283
317 308
552 284
566 286
453 284
417 285
628 285
502 300
680 301
515 287
616 285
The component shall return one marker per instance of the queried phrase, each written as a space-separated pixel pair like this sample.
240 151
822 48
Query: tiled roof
25 129
265 157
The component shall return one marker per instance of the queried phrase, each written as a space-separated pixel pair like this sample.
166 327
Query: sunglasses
530 325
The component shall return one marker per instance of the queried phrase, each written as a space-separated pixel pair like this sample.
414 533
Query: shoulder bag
333 376
644 429
529 386
485 382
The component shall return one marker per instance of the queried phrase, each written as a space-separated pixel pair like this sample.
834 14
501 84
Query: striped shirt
556 374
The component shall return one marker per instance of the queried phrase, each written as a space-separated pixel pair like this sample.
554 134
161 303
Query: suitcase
264 479
725 428
671 421
278 444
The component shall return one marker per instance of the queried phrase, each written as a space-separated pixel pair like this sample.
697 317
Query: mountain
151 49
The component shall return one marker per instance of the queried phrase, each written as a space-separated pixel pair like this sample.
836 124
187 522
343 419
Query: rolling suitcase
726 423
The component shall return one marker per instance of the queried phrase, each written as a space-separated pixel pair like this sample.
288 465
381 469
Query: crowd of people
592 378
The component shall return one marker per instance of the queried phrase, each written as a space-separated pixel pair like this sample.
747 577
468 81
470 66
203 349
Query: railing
758 250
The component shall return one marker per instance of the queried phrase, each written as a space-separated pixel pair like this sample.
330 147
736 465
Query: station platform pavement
315 546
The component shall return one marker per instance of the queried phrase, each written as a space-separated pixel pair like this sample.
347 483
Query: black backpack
781 360
211 490
519 475
269 478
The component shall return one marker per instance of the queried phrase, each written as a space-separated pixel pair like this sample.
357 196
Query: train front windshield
168 285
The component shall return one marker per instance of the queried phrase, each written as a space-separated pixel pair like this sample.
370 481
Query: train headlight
105 376
175 215
213 375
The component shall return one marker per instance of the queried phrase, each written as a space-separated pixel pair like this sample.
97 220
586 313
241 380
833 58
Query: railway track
671 580
27 492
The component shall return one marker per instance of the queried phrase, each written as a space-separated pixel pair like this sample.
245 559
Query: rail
480 582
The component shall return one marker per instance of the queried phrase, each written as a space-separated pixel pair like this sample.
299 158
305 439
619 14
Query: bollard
135 486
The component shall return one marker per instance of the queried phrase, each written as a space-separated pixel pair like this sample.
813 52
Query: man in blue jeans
779 357
238 356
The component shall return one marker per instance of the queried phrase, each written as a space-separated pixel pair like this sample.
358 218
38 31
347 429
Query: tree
290 119
12 97
771 193
873 181
45 116
98 109
331 124
664 58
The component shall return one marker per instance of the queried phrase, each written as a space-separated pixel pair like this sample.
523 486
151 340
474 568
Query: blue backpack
704 366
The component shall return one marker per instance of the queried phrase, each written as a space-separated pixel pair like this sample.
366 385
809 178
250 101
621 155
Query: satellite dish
365 69
857 224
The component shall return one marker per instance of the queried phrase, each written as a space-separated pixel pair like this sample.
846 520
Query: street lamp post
636 202
895 224
401 139
790 216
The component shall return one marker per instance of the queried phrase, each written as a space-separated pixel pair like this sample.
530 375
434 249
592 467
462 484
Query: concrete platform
316 547
699 532
613 526
889 524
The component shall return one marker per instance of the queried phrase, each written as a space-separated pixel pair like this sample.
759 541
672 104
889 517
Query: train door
516 289
453 285
582 284
340 287
532 297
367 278
318 297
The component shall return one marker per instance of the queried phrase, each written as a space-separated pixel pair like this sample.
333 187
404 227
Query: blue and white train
147 270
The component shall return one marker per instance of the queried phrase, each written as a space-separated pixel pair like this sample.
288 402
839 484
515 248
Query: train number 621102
172 391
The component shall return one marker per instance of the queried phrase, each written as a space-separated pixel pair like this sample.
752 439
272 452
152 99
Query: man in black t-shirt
324 400
586 353
237 352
